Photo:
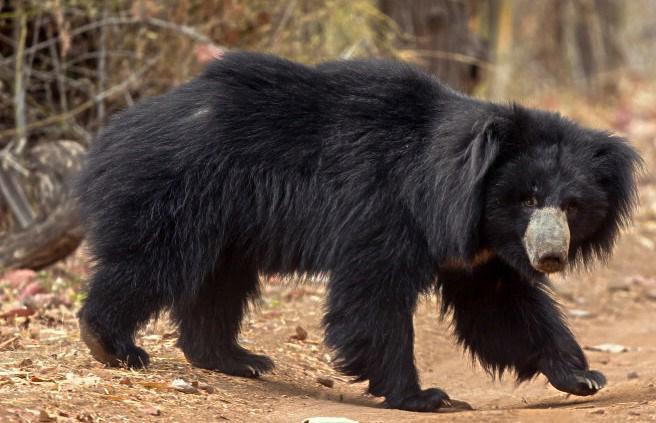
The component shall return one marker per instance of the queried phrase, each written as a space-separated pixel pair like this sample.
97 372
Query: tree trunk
438 31
573 40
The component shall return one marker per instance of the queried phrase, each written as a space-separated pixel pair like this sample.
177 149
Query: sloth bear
371 172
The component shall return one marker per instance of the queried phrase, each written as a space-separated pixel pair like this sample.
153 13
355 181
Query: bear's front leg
369 326
511 323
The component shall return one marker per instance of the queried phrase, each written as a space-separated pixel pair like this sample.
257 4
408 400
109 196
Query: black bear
371 172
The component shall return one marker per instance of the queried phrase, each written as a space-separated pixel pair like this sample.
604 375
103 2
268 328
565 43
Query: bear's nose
546 240
550 263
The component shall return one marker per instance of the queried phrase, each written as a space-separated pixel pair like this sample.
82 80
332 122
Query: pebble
182 386
609 348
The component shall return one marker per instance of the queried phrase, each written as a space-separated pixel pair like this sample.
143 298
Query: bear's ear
484 150
615 165
478 158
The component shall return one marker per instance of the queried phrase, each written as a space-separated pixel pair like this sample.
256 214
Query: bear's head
554 193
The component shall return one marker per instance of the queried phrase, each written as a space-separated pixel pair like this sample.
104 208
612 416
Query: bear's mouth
546 240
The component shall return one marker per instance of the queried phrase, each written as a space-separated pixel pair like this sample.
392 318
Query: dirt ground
47 375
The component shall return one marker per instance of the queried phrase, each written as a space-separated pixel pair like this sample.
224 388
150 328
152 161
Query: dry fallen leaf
18 312
158 386
45 417
326 381
301 334
203 386
26 362
39 379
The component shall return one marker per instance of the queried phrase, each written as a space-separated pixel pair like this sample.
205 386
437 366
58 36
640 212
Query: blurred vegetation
76 50
73 62
66 65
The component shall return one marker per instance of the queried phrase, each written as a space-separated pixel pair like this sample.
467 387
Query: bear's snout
546 240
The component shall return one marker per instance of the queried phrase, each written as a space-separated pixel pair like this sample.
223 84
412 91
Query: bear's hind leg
117 304
210 322
512 323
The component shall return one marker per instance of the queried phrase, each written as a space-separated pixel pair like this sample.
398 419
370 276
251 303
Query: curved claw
580 382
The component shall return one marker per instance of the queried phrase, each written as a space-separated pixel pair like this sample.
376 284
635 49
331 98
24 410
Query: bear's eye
529 202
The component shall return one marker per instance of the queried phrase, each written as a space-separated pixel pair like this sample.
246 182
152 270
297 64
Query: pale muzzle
547 239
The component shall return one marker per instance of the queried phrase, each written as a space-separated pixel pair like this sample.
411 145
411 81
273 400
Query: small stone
609 348
599 411
632 375
619 285
85 417
182 386
125 381
152 411
580 313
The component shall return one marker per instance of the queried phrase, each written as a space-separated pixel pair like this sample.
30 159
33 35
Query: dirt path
46 373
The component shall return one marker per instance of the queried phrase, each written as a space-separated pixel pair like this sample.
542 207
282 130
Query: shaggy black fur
370 171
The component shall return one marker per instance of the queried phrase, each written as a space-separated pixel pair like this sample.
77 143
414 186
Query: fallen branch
44 242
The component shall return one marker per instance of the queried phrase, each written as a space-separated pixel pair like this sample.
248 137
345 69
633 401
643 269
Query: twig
181 29
82 133
94 55
35 38
8 342
19 87
7 160
17 201
102 63
88 104
287 14
455 57
59 72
